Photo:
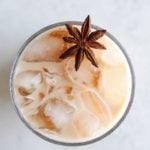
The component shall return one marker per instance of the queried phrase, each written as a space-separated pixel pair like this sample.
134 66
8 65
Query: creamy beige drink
67 105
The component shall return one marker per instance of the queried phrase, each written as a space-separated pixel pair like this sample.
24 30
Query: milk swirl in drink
67 105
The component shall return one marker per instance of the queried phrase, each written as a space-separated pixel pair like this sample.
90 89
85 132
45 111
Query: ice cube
41 121
86 123
60 111
40 92
95 104
112 56
44 48
87 75
70 131
27 81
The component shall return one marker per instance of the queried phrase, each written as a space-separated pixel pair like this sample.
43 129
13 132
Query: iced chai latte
69 101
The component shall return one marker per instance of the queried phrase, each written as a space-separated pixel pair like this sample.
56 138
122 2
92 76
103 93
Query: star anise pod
83 42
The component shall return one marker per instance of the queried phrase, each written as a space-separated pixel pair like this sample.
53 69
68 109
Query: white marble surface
128 20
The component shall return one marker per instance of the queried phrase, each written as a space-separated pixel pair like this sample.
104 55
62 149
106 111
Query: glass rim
12 93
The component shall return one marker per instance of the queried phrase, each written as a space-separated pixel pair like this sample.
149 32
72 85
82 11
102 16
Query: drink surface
68 105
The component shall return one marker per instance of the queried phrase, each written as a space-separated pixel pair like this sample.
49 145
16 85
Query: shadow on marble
4 81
